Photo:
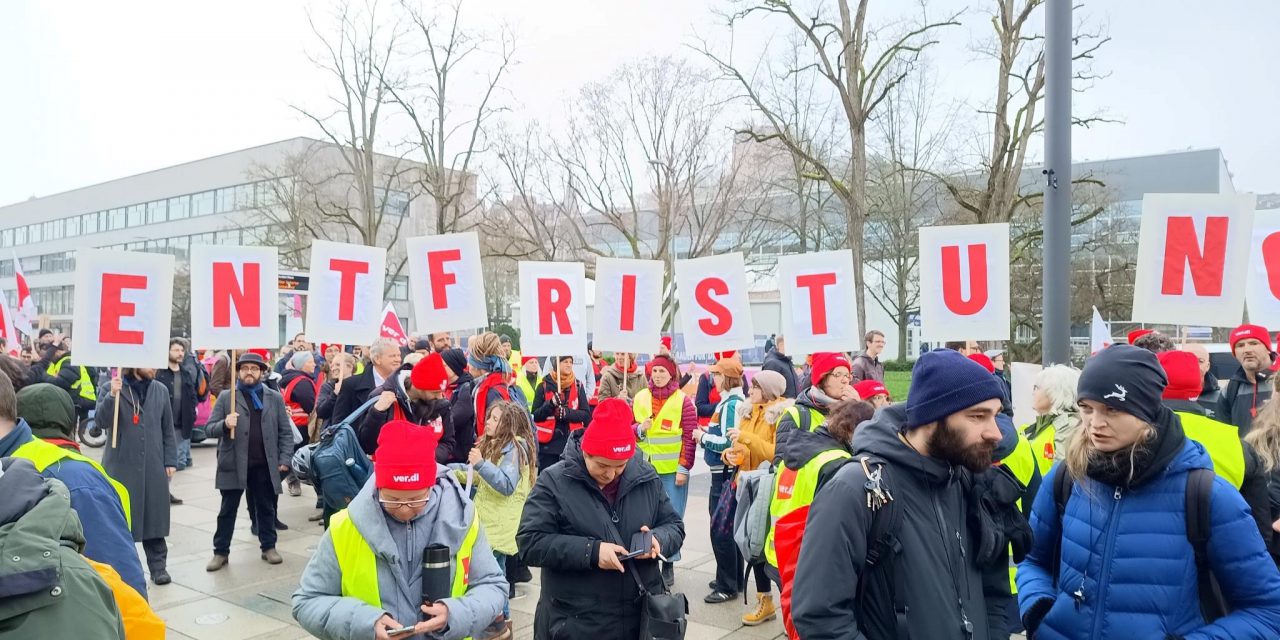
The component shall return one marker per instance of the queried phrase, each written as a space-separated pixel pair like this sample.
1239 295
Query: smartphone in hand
641 543
402 631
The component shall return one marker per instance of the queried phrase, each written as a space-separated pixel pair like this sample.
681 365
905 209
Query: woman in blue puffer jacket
1127 570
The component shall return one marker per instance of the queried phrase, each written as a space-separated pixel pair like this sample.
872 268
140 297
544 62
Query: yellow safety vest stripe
1022 463
793 490
84 385
664 439
527 389
816 418
359 566
1221 440
42 454
1045 447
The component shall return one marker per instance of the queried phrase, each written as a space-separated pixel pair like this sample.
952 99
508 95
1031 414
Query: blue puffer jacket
1130 551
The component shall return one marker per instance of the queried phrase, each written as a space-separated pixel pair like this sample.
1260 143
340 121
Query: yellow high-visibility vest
663 441
359 566
1045 447
522 382
42 454
793 489
1022 462
1221 440
816 418
83 386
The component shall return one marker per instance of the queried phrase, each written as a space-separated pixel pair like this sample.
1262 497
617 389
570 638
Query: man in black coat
385 362
778 361
566 529
182 393
420 401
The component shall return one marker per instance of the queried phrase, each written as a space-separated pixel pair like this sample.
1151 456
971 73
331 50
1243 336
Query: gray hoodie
935 544
320 608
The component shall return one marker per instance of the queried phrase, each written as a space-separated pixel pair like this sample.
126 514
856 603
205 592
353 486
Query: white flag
1099 333
25 316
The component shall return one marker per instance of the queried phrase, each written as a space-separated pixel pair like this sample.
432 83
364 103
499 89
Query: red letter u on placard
951 295
1182 250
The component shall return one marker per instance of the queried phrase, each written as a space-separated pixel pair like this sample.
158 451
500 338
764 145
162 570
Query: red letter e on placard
1182 251
246 296
951 295
114 308
721 322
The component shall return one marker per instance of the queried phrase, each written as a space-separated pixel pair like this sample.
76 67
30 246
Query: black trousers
262 502
157 552
729 562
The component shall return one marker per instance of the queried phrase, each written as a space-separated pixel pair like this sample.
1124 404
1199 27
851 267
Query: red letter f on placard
951 295
1182 251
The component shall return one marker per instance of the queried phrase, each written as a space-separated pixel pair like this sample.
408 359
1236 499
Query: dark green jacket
47 590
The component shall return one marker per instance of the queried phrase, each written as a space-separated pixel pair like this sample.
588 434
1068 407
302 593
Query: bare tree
450 127
840 51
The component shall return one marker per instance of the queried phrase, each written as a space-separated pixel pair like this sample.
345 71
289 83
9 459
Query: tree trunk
856 218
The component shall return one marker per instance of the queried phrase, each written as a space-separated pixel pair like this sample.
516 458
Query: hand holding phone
641 544
402 631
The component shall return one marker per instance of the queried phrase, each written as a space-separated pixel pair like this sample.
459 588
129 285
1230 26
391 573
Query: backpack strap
883 549
1199 526
1063 483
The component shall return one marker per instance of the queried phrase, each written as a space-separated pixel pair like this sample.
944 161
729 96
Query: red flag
26 315
391 327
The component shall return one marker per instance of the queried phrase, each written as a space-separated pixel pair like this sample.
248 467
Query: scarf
494 364
494 381
820 399
137 391
629 370
253 393
566 382
660 394
1135 466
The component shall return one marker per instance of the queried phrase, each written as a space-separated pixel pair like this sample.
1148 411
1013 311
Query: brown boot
765 611
216 563
272 557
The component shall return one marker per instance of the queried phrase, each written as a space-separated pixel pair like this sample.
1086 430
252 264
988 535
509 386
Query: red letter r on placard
554 296
114 308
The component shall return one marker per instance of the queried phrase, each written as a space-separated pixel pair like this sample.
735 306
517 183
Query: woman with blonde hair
1117 562
1265 440
1057 417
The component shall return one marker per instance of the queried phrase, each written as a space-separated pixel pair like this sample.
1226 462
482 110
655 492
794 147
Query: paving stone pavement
250 599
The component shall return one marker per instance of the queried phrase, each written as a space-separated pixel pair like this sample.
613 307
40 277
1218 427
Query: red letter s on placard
817 284
246 296
721 322
1182 251
554 296
348 269
114 308
951 295
440 278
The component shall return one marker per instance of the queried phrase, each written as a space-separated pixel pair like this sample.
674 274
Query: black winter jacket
781 364
424 413
1242 400
355 390
544 409
935 544
564 521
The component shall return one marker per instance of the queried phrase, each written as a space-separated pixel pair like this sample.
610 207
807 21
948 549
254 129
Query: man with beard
1250 387
850 583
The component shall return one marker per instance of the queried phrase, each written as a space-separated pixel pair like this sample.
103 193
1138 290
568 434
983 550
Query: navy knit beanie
1125 378
944 382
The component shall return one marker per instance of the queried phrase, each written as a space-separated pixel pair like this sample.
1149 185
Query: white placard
1022 377
819 308
446 282
344 303
715 310
628 309
553 315
233 297
1264 268
123 304
1193 256
964 282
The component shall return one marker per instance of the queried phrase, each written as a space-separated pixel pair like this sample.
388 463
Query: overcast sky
99 90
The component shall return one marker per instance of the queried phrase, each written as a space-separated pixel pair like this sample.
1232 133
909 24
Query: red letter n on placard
817 284
440 279
721 322
246 295
1182 250
554 296
348 269
951 294
114 308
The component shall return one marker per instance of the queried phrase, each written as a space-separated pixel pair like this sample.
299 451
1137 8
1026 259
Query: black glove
1031 619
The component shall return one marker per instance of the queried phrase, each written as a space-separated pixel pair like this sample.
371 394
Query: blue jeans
679 497
184 453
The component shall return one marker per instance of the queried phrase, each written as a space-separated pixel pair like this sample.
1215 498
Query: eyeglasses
395 504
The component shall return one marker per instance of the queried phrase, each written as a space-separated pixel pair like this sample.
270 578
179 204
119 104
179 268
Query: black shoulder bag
663 616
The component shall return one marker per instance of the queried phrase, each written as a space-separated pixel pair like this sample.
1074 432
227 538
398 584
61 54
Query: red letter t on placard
1182 251
114 308
977 279
439 277
347 285
817 283
553 304
246 296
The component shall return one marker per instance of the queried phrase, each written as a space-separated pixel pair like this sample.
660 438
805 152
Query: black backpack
878 617
1199 524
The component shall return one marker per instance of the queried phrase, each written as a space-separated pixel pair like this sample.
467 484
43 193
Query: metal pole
1056 322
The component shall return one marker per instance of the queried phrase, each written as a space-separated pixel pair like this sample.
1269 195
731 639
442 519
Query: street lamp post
1055 336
